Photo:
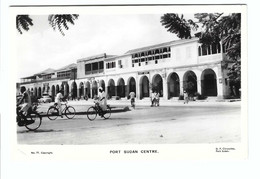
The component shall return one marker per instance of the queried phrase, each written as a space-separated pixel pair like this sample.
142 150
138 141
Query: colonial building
168 68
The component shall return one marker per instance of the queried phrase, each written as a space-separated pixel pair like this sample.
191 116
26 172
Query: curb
115 110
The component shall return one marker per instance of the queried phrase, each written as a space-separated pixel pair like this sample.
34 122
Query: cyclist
58 99
102 100
25 103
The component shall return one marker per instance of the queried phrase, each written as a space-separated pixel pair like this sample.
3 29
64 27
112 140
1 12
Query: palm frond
61 21
23 22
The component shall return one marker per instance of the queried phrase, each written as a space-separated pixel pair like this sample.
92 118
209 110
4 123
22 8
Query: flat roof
95 57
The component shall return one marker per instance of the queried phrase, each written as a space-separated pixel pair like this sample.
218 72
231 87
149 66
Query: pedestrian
157 98
152 98
186 97
132 98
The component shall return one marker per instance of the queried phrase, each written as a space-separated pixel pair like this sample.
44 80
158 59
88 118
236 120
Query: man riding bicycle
102 100
25 103
58 100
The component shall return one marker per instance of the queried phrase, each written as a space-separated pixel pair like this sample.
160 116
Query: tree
23 22
56 21
216 27
178 25
61 21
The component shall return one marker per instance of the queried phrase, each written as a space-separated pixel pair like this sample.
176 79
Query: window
95 66
199 49
46 76
101 65
88 67
214 48
150 55
120 64
204 50
110 65
63 74
209 50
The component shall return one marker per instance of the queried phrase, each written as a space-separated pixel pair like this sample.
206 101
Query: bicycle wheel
37 121
52 113
70 112
91 113
107 113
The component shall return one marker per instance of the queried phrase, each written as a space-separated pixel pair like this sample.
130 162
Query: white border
101 152
180 169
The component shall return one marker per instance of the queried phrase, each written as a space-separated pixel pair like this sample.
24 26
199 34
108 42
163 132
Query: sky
41 47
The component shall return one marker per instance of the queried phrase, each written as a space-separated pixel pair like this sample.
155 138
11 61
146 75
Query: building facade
169 68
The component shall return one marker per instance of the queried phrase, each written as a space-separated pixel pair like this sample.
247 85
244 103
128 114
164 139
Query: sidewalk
147 102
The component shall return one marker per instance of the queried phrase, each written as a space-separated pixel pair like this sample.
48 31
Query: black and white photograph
134 77
128 90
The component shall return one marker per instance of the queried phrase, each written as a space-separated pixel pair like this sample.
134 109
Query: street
192 123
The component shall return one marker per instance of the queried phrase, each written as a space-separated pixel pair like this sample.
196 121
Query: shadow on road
119 118
40 131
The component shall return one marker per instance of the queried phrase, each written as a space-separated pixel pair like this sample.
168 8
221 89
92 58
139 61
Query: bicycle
95 110
53 111
35 118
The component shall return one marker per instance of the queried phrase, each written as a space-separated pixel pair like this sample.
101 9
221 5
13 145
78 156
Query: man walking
132 98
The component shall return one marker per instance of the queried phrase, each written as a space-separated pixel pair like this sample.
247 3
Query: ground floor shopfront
207 80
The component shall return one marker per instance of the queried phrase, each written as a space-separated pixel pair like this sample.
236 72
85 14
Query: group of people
101 99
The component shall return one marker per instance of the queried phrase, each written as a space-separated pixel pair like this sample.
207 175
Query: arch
121 88
94 88
214 48
62 87
102 84
199 49
74 90
144 87
39 92
204 50
66 89
87 89
81 89
209 83
35 91
111 88
173 83
218 48
43 89
131 85
157 84
190 82
57 88
52 92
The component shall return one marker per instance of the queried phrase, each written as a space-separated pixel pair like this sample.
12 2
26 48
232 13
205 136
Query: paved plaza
171 123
